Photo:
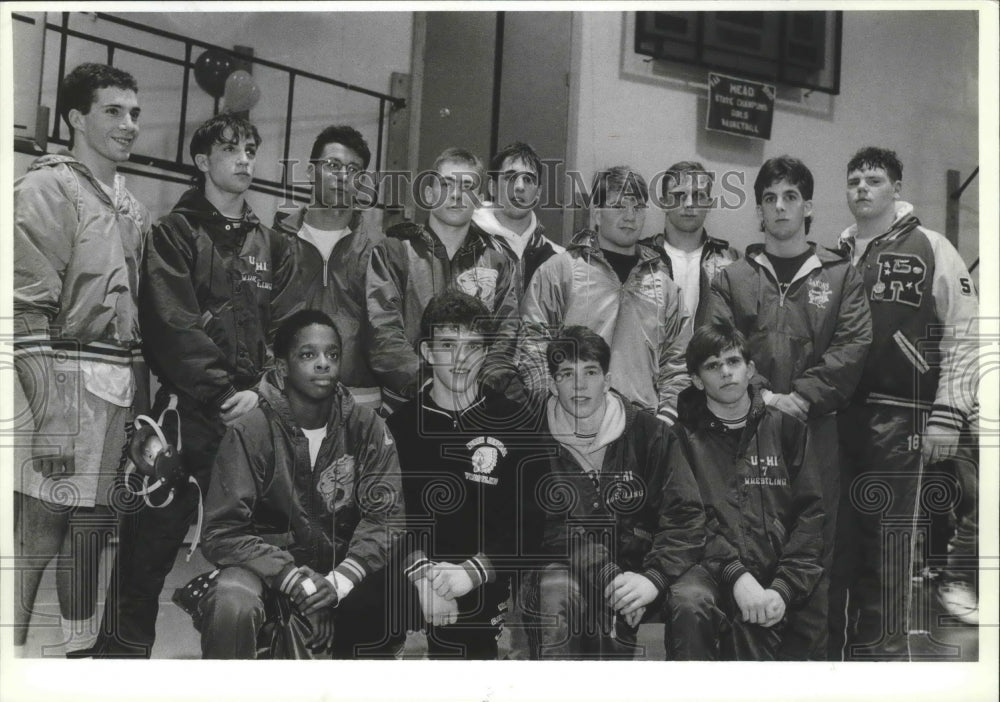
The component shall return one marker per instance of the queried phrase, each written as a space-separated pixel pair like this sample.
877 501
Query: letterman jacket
77 257
716 254
206 302
336 287
470 484
811 337
264 491
920 294
763 501
643 320
641 513
407 269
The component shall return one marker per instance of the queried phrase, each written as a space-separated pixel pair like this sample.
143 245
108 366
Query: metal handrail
282 188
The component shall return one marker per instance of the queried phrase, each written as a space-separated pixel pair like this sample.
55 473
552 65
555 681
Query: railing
951 221
177 165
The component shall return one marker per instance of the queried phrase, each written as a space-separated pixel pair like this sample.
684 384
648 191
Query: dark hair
679 169
454 308
345 135
457 155
577 343
224 128
624 180
515 152
789 169
79 85
874 157
284 337
712 339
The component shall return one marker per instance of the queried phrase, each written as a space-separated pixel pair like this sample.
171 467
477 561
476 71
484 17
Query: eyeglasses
337 166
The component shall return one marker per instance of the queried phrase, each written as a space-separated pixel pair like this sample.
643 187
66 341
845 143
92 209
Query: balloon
241 92
211 70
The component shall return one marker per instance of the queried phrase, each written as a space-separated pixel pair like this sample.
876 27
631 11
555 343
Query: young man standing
470 483
622 290
416 262
693 257
510 220
763 507
209 277
78 241
624 515
803 311
332 246
916 397
311 464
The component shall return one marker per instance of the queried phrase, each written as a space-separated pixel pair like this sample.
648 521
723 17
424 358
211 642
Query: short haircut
575 344
79 85
712 339
518 151
284 337
785 168
874 157
454 308
624 180
677 171
224 128
345 135
465 157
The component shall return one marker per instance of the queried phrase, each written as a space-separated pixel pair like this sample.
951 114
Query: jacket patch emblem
486 454
336 483
387 438
764 464
900 279
479 282
819 293
713 264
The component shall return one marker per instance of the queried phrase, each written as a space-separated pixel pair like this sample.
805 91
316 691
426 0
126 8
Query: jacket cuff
352 570
288 579
226 394
417 566
947 417
667 416
480 569
733 571
783 589
656 577
607 574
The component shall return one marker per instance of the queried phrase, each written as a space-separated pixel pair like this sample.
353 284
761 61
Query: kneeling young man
302 503
469 481
624 519
763 508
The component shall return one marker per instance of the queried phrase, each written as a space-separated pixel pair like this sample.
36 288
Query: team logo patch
387 438
486 452
900 279
336 483
819 293
479 282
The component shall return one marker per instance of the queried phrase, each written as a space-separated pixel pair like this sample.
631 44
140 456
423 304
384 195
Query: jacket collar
290 222
712 244
693 412
586 243
476 241
904 222
68 159
194 205
270 389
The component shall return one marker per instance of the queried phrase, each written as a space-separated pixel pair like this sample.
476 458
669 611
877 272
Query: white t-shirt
323 239
315 437
687 274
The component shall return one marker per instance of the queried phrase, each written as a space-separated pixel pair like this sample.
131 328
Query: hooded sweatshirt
924 319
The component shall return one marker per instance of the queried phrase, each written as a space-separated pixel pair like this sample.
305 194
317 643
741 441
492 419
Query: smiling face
783 211
109 130
620 222
312 366
516 188
580 387
871 193
455 355
335 175
724 378
452 193
229 165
